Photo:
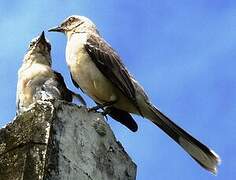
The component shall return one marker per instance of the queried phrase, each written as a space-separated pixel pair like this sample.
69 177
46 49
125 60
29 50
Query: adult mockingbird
98 70
36 79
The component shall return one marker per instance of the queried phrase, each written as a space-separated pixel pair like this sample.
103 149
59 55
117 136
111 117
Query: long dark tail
206 157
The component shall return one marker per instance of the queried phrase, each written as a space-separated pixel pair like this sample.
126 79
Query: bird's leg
95 108
103 106
106 111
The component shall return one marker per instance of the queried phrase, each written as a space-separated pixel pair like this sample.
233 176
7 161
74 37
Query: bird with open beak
98 70
37 80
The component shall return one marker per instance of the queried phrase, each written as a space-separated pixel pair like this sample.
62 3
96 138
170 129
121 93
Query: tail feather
206 157
123 117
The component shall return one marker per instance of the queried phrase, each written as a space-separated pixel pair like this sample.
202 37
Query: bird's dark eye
71 19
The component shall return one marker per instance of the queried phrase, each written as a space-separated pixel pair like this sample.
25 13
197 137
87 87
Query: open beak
56 29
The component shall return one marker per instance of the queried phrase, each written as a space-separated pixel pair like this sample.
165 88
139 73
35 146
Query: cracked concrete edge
23 142
34 146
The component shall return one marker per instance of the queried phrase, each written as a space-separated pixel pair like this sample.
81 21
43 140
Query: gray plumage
98 70
36 79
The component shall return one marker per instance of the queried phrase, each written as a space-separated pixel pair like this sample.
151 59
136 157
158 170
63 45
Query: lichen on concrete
55 140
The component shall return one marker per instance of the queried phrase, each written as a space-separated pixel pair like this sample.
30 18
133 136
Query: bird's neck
38 58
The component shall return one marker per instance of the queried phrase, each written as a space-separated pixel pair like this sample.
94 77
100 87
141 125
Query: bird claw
106 111
104 107
95 108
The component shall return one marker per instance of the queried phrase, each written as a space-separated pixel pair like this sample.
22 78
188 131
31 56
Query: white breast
30 76
85 72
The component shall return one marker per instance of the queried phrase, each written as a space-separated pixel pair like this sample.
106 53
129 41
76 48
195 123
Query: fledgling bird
37 80
98 70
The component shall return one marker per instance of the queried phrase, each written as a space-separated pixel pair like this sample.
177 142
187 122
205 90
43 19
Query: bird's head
75 23
39 50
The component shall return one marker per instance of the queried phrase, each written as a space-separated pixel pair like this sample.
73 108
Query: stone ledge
59 140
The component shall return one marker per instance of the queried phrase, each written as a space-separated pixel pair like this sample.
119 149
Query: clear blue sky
183 53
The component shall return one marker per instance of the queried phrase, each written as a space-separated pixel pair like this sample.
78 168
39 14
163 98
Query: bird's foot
104 107
96 108
106 111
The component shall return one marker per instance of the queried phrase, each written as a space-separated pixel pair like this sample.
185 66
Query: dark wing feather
109 63
58 82
67 94
123 117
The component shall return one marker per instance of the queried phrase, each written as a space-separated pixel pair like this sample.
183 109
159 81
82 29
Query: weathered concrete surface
60 141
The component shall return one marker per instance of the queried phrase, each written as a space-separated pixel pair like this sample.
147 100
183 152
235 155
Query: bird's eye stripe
71 18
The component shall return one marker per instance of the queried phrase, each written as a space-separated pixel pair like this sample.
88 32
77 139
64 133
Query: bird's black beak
43 41
56 29
42 38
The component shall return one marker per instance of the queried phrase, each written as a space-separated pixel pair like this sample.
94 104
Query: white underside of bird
94 83
89 77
